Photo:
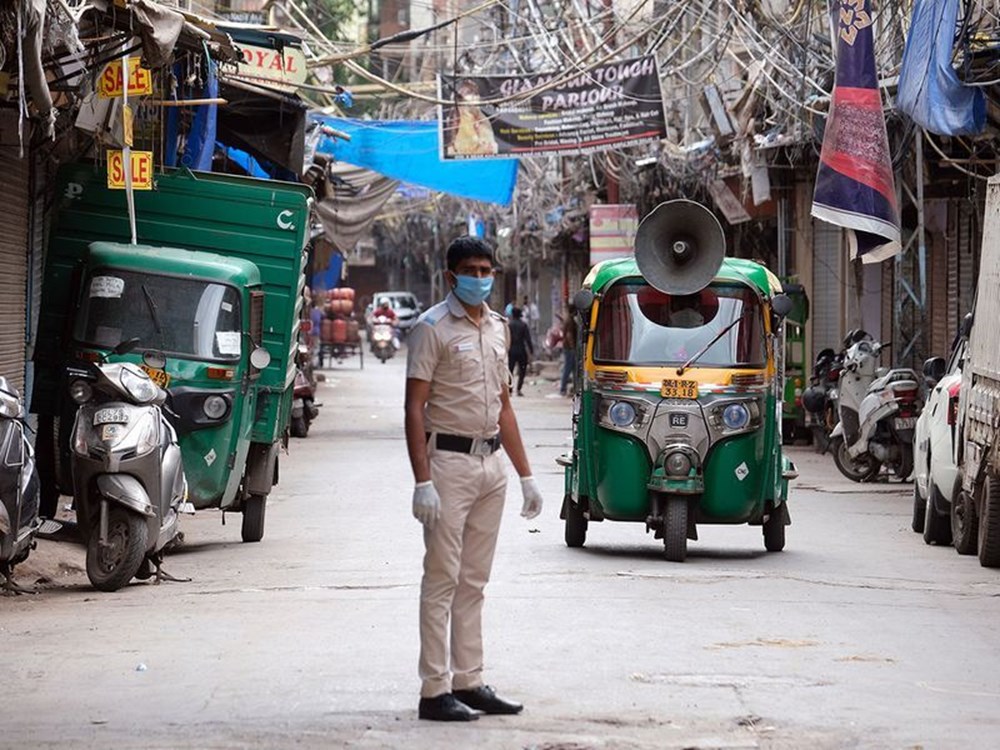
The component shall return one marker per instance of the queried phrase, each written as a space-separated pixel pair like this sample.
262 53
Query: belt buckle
481 447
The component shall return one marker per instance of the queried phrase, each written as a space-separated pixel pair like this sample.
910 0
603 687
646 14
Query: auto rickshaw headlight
677 464
622 414
80 391
735 416
215 407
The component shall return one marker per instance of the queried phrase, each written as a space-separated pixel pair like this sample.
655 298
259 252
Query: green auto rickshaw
677 417
214 286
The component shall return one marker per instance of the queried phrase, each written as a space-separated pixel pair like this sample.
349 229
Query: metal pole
127 148
921 246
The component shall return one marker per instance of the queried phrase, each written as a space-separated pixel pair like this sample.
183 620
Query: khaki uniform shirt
466 365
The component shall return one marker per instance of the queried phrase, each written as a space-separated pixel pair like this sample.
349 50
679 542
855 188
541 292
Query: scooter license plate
905 423
679 389
160 377
110 416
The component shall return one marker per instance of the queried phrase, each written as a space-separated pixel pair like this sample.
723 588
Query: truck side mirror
934 369
781 305
583 301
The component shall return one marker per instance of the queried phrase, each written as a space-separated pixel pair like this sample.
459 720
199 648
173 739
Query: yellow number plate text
679 389
160 377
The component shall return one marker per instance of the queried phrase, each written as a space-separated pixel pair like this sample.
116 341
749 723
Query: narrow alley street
309 638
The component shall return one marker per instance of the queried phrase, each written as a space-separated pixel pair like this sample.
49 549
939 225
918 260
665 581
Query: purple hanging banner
854 185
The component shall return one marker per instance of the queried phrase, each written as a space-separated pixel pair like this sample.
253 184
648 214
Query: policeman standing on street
458 415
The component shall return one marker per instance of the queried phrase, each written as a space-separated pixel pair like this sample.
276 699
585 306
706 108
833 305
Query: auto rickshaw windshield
190 318
640 325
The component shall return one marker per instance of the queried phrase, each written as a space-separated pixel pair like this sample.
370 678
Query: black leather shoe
445 707
485 699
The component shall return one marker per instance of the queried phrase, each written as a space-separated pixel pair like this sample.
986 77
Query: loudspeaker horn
679 247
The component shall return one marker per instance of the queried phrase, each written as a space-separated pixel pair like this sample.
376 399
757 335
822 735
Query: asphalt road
857 635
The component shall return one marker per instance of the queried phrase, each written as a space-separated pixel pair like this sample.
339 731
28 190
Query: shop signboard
551 113
142 170
612 231
140 79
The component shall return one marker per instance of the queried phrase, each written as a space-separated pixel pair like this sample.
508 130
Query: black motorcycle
19 521
821 397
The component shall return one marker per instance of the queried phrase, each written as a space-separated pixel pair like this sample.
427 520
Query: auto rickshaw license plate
679 389
160 377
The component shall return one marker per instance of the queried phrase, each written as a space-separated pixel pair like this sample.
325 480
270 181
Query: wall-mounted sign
140 80
287 65
612 231
142 170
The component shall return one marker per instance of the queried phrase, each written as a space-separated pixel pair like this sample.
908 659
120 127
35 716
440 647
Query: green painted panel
622 468
732 269
728 497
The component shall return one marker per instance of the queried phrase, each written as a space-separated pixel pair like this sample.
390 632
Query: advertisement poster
517 116
612 231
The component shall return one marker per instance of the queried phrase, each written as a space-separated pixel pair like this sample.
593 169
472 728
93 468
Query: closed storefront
15 231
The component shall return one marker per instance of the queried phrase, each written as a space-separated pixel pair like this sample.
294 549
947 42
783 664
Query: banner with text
607 106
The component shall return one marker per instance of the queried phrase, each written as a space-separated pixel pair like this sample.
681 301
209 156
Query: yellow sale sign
140 80
142 170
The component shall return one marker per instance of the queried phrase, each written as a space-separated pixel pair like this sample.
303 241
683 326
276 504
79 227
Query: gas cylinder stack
341 333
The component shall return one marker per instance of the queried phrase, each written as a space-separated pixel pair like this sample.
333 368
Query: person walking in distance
520 347
458 415
569 333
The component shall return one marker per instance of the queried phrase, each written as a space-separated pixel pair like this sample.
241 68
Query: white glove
426 503
532 498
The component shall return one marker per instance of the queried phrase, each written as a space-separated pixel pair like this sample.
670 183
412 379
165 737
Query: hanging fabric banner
605 107
854 185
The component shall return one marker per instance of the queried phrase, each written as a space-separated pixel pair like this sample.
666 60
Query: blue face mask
473 290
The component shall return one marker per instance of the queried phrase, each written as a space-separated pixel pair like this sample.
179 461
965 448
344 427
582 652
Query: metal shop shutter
14 194
826 305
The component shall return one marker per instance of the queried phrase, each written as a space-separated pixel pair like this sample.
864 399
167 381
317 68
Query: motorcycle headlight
149 438
215 407
622 414
80 391
677 464
139 387
735 416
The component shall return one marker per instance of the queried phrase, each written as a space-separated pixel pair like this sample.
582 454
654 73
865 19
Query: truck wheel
576 525
253 518
937 530
919 508
964 531
675 528
989 524
774 529
111 567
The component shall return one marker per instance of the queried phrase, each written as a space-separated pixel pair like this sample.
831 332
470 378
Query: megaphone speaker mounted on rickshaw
679 247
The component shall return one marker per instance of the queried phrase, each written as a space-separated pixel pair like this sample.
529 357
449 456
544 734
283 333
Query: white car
936 477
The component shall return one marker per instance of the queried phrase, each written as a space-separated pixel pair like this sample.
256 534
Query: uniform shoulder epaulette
499 316
433 315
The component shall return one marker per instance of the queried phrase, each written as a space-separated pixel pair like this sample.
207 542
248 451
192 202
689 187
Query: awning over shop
407 150
348 202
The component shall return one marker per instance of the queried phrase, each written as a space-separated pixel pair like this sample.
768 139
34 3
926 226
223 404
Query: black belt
461 444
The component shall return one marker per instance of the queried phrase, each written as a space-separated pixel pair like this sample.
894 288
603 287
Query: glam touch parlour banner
854 185
505 116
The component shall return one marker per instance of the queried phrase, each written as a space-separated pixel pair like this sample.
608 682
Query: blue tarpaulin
929 89
407 150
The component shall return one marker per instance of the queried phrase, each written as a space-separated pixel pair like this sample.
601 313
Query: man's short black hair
467 247
516 313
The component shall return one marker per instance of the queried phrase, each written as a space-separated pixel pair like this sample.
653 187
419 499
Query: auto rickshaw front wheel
576 524
774 529
252 529
675 529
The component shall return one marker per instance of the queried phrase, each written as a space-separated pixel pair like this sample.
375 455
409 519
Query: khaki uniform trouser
457 562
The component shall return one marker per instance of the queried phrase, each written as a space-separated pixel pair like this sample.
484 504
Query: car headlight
735 416
215 407
677 464
80 391
139 387
622 414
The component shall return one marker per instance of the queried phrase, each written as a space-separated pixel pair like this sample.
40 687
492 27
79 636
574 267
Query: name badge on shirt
467 346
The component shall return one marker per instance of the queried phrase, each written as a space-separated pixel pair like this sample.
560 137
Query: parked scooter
128 481
821 398
304 406
383 339
878 414
19 521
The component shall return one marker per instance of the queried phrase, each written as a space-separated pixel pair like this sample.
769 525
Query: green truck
214 283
